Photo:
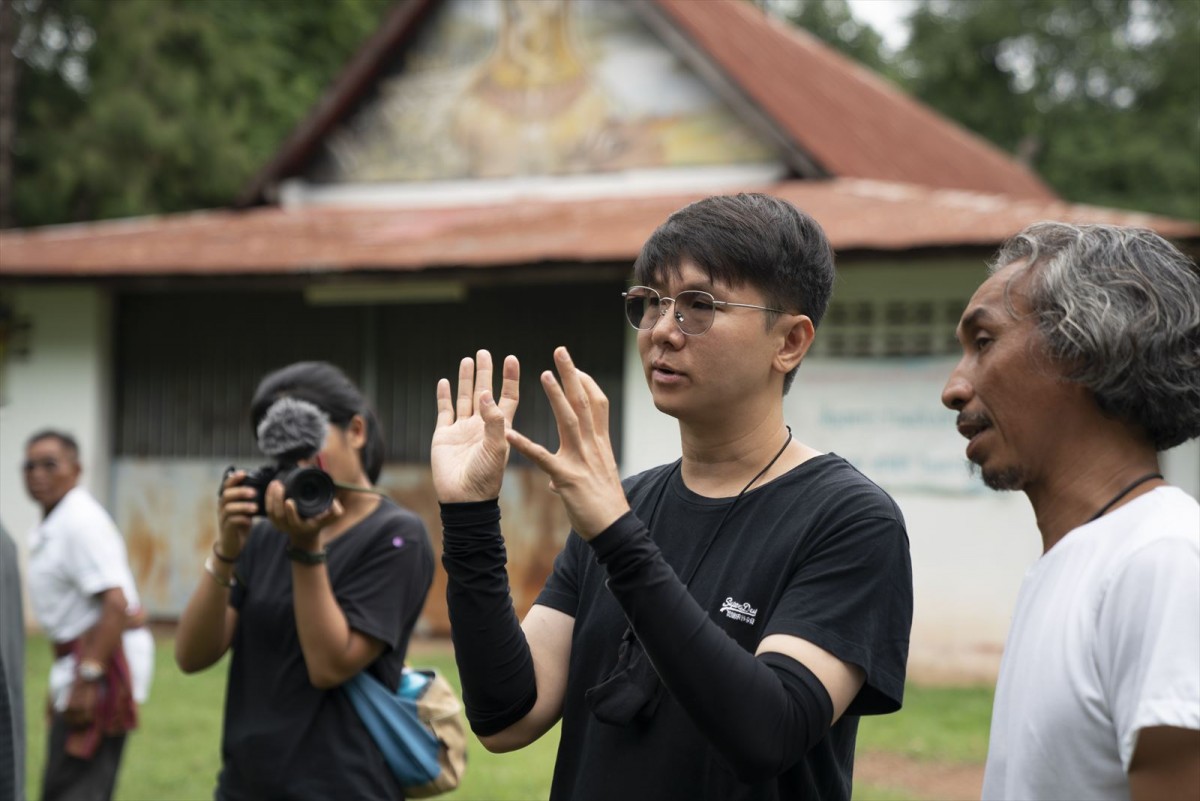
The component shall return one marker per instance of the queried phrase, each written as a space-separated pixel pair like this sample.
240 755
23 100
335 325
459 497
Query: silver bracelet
227 583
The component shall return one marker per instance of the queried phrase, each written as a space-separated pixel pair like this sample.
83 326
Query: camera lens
310 488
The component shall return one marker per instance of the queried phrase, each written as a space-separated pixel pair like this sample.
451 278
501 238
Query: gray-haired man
1081 361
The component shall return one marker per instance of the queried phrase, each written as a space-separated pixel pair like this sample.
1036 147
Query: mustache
972 419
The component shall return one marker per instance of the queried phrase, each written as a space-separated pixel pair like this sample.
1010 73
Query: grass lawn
937 724
174 755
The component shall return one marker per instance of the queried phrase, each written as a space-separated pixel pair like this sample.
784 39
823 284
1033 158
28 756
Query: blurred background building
482 174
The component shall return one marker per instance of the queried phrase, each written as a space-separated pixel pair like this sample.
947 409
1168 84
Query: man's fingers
493 418
574 390
466 386
510 389
445 404
535 453
483 375
564 415
599 403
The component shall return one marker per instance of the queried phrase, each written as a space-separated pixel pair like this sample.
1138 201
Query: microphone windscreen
292 429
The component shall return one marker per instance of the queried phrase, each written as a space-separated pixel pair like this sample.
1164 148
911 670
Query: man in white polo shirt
83 595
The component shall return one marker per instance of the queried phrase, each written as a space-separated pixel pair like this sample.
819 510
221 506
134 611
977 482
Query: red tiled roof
851 121
857 215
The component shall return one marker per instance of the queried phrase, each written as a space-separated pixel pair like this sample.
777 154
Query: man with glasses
719 624
83 596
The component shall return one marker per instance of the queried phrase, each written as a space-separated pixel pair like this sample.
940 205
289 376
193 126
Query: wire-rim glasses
693 310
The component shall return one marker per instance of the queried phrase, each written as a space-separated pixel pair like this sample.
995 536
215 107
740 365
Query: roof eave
345 91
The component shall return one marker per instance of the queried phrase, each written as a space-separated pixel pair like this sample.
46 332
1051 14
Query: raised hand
469 450
584 471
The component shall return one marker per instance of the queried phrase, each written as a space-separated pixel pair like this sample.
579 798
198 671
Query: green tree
145 106
1100 97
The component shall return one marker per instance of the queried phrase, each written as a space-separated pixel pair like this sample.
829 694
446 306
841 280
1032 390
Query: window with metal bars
888 328
188 363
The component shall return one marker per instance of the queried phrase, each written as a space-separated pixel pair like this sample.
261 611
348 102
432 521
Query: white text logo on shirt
743 612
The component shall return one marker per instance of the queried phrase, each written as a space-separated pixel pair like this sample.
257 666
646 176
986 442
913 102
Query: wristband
305 557
227 583
222 557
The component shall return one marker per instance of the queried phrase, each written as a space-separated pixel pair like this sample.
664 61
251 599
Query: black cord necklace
662 489
632 689
729 509
1122 494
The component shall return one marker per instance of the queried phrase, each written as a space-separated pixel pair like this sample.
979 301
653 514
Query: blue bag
418 729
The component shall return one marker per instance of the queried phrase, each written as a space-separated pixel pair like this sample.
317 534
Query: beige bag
439 709
419 729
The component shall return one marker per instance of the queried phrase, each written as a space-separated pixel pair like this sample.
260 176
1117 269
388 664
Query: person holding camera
307 596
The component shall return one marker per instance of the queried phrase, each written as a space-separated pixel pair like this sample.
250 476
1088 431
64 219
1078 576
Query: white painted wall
64 382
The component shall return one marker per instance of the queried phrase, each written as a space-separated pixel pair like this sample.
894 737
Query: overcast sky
885 17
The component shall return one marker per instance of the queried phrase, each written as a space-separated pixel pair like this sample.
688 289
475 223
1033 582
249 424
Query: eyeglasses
49 465
694 310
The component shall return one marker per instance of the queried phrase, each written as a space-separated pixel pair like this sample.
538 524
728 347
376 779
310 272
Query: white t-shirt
1105 642
75 553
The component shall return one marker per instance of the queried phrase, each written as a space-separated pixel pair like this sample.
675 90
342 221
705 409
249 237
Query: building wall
167 512
62 380
181 401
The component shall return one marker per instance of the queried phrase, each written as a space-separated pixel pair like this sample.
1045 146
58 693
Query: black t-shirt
820 553
283 737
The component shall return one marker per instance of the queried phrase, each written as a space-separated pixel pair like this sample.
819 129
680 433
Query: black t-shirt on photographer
820 553
284 738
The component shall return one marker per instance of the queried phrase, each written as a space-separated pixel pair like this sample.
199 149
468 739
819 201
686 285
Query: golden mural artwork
495 89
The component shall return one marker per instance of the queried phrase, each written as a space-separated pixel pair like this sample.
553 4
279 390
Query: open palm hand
469 450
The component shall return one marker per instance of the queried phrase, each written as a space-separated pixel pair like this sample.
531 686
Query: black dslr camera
290 430
311 488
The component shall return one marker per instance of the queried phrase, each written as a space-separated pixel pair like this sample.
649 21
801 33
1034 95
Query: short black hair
66 440
748 238
327 387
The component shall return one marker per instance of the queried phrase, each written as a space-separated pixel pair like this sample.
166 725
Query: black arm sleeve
494 661
761 714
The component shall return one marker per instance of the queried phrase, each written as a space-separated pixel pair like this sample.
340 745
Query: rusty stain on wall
167 509
147 558
205 515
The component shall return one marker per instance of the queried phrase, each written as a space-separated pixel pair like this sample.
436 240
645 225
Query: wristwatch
90 670
305 557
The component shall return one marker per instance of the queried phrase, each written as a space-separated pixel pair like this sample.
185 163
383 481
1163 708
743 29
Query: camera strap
368 490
